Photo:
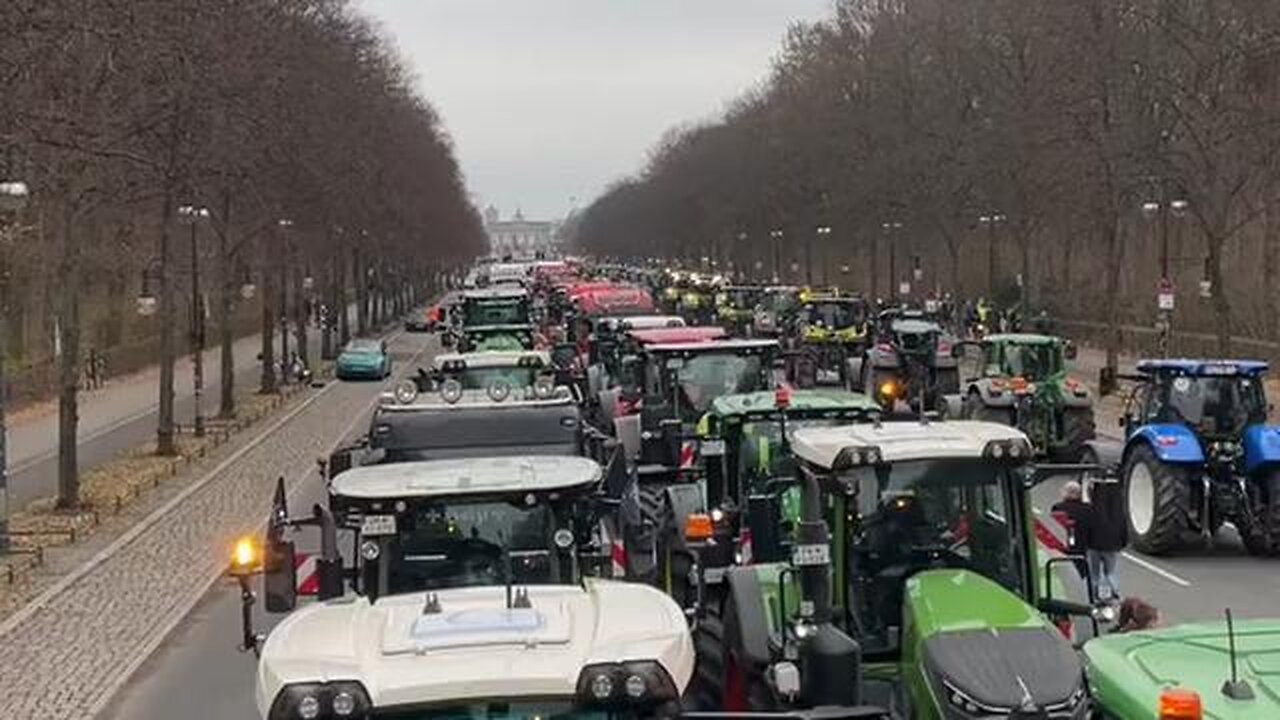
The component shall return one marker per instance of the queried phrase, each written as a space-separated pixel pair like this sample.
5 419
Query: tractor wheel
1263 536
1077 429
644 560
721 680
1157 502
671 564
975 409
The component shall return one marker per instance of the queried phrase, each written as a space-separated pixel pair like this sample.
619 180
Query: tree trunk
1270 265
165 429
1221 303
300 316
330 319
68 362
362 294
113 330
342 302
226 310
1111 237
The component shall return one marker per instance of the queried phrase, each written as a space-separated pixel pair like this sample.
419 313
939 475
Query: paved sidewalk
63 655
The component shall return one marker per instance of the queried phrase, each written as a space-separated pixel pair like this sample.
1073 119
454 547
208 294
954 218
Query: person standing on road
1074 514
1108 536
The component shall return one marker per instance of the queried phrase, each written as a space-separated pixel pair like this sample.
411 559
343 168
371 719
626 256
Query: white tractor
464 594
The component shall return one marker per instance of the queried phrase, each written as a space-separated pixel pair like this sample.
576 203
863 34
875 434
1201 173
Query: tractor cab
830 330
518 370
456 587
736 307
1197 453
776 310
911 360
498 318
916 560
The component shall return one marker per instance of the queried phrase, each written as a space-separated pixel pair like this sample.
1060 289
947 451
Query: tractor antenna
1235 688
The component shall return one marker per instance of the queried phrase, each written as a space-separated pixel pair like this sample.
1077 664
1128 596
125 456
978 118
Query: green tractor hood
972 646
1128 671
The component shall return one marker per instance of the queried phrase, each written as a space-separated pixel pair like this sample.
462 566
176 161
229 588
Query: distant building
518 236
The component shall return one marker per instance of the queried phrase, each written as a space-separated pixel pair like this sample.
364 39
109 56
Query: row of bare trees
287 130
1071 153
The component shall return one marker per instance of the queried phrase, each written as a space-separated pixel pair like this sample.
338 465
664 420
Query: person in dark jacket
1107 537
1074 514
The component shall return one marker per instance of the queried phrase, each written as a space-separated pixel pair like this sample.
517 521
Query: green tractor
747 468
916 582
1022 381
1203 670
493 319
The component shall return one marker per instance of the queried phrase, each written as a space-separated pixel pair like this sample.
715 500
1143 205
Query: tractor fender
1261 448
1169 442
753 622
1109 453
883 359
1074 401
684 500
990 398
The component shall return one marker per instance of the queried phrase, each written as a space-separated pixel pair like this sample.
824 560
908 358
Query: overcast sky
549 100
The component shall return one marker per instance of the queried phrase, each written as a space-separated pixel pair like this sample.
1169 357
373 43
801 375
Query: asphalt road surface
198 674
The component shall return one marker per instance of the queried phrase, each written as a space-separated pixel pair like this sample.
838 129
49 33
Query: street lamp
191 216
822 231
13 197
991 221
889 228
776 236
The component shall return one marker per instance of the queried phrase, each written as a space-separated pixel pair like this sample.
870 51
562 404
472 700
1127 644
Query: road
197 673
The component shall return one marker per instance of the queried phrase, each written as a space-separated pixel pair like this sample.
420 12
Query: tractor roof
472 476
474 399
475 650
712 346
904 440
1187 366
802 401
1022 338
492 359
505 292
641 322
668 335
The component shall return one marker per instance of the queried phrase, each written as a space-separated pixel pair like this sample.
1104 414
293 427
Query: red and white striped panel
308 578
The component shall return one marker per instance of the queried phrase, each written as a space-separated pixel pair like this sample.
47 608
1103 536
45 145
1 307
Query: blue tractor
1198 452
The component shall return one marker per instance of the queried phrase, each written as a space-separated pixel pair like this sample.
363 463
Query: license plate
375 525
712 448
810 555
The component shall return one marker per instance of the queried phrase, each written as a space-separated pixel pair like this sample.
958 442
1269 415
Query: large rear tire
671 564
1262 537
1078 428
1157 502
721 680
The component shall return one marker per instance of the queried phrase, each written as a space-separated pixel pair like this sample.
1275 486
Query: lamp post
191 216
775 236
991 220
13 197
822 231
889 228
1161 210
286 225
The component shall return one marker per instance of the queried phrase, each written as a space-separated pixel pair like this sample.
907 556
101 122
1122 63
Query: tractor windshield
1033 362
923 514
762 454
835 315
483 377
1218 406
496 312
462 544
703 378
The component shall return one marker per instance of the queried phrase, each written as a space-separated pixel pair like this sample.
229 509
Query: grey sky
552 99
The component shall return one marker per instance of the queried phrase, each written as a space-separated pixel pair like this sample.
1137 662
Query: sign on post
1165 295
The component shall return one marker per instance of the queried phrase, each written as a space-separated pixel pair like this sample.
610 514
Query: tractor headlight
857 456
1015 451
620 684
321 701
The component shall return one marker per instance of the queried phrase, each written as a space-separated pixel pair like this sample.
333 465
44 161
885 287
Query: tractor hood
474 647
986 652
1128 671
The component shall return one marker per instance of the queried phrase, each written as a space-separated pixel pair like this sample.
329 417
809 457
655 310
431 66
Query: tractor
830 329
910 360
736 308
776 311
497 318
1022 381
916 581
1197 452
462 594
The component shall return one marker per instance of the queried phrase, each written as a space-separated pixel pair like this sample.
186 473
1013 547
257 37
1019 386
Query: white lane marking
1143 563
1148 565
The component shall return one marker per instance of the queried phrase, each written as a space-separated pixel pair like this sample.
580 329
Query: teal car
364 359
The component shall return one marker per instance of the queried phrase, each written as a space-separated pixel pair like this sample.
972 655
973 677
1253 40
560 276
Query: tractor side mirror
1069 351
339 461
280 577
